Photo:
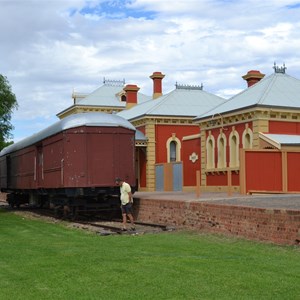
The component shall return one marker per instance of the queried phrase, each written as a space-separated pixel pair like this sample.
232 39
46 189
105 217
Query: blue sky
115 10
51 50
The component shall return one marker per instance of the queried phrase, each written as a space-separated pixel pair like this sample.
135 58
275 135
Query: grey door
177 177
159 177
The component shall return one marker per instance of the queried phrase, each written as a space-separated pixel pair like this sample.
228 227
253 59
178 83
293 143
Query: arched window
234 149
247 141
210 152
173 149
222 151
247 138
173 146
123 98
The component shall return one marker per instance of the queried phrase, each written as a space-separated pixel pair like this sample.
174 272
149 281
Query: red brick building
250 141
171 156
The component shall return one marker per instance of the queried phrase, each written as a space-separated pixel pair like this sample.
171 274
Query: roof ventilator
113 82
188 86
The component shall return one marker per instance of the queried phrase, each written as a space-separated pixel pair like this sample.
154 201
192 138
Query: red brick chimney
253 77
131 91
157 78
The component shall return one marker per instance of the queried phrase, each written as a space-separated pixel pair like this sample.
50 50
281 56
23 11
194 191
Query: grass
48 261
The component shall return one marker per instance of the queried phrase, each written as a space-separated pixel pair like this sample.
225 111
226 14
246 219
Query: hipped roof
108 95
277 90
178 103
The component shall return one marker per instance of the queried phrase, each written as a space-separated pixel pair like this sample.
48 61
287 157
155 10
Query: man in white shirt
126 203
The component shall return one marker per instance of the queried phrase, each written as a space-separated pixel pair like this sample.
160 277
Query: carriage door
39 167
8 171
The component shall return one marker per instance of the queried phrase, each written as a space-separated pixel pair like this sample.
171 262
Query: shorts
127 208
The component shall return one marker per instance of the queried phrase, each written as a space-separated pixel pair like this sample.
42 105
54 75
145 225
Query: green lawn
48 261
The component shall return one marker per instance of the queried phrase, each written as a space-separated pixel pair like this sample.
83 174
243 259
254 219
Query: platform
272 201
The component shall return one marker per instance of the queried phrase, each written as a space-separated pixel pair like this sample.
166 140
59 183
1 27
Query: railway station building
248 143
252 140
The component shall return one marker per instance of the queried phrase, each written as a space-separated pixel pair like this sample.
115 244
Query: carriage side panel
74 159
126 156
21 169
50 162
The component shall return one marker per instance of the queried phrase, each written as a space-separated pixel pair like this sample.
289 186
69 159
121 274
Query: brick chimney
131 91
157 78
253 77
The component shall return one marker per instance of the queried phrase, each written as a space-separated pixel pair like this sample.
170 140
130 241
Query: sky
50 48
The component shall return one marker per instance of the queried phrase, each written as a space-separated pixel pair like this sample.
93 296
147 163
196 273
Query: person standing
126 203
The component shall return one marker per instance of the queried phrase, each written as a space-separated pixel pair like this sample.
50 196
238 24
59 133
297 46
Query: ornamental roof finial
279 69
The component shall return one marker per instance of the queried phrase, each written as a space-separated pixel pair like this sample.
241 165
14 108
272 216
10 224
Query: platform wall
273 225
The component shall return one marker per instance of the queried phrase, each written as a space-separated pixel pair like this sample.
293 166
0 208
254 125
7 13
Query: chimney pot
157 78
131 91
252 77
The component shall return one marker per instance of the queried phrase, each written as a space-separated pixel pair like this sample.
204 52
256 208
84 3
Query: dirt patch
99 227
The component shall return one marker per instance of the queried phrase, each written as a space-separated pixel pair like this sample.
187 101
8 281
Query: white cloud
51 49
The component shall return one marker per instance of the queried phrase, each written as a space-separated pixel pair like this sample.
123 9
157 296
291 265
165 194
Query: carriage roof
76 120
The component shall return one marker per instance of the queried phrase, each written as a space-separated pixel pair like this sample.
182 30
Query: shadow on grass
4 210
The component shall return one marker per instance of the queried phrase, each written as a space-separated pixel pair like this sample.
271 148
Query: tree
8 103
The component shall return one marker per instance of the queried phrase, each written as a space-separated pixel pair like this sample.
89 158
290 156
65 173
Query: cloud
51 49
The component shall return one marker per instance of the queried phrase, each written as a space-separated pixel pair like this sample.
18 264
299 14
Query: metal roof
108 95
139 136
76 120
276 90
183 102
279 140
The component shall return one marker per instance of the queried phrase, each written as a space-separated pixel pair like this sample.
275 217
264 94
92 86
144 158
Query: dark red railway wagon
71 162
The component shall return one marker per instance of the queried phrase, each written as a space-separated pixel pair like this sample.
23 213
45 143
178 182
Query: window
173 146
222 151
247 141
234 149
247 138
173 149
210 152
123 98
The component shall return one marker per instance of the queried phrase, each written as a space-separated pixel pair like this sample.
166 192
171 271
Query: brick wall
274 225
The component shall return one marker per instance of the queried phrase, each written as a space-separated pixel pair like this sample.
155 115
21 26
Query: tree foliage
8 103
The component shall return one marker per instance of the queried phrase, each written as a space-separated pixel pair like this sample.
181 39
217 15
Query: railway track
91 223
115 227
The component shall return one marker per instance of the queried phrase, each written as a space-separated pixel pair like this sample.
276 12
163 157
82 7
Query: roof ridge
251 87
272 79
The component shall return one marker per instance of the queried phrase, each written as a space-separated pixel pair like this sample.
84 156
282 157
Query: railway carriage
72 163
